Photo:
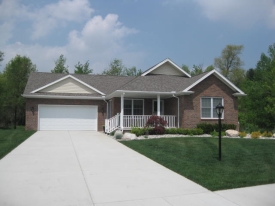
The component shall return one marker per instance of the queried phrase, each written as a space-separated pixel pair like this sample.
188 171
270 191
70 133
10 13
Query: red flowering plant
157 124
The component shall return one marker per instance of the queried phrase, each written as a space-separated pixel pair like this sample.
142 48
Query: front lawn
245 162
11 138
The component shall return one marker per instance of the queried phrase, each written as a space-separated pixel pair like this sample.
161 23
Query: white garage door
67 117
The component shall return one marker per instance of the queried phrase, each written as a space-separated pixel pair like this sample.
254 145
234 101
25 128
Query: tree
83 68
116 68
209 68
230 63
186 69
1 56
16 74
60 65
132 71
197 69
257 110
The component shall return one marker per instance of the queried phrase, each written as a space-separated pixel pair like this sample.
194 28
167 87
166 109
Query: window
208 107
133 107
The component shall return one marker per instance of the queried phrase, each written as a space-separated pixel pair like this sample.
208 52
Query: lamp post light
219 110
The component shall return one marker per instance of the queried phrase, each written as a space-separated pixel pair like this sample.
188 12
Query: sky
141 33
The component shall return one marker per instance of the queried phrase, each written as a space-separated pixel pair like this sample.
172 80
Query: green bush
242 134
172 131
112 133
255 135
197 131
214 134
118 135
208 128
183 131
267 134
138 131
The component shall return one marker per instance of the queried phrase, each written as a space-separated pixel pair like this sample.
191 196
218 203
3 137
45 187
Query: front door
155 107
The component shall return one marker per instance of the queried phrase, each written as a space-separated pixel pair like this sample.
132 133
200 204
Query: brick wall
32 118
210 87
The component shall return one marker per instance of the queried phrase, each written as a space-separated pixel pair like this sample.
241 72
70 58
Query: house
87 102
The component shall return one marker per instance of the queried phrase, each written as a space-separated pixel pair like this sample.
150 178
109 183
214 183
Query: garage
67 117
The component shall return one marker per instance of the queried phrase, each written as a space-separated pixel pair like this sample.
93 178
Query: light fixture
32 110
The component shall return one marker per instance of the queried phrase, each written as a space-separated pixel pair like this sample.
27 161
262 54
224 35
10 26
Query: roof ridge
128 82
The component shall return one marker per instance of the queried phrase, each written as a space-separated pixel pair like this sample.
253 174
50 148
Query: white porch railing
140 120
112 124
135 121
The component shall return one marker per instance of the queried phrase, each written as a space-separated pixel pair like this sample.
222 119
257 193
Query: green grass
245 162
11 138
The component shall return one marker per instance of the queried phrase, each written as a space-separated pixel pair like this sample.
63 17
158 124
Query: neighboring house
87 102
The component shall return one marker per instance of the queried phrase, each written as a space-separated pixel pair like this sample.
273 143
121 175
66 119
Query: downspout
178 109
107 109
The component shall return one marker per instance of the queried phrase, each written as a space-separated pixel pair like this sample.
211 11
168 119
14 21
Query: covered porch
133 109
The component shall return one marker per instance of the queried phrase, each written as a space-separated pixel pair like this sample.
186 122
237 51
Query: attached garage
67 117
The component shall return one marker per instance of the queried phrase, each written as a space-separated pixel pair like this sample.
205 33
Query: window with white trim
208 107
133 107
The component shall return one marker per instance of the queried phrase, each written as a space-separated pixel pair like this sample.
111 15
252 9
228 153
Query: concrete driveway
72 168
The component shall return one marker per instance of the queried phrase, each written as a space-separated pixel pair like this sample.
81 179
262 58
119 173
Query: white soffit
89 88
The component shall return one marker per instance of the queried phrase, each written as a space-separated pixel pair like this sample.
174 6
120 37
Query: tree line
256 110
116 68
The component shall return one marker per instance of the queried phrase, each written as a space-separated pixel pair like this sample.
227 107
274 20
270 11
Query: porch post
158 107
121 110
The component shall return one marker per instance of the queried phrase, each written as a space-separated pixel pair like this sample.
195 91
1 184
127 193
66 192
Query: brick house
87 102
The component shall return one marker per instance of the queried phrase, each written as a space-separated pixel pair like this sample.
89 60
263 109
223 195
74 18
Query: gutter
178 109
59 97
107 108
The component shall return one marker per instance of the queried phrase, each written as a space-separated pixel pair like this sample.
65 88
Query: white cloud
244 13
51 16
99 41
46 19
10 12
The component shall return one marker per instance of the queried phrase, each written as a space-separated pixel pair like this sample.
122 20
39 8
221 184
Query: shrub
187 131
197 131
183 131
267 134
171 131
157 124
159 130
242 134
208 128
255 135
214 134
112 133
118 134
138 131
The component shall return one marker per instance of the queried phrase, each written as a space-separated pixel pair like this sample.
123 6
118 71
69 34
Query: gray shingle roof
109 84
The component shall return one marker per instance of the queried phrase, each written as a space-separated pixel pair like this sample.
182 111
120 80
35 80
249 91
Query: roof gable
68 84
166 67
219 76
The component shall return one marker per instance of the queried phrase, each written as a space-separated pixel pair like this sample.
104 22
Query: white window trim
153 107
133 105
212 107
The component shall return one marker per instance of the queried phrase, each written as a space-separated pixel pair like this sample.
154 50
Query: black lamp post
219 110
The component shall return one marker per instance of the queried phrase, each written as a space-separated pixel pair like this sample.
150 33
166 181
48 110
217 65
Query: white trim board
222 78
163 62
63 78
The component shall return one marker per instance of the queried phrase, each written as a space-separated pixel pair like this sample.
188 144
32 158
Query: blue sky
141 33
